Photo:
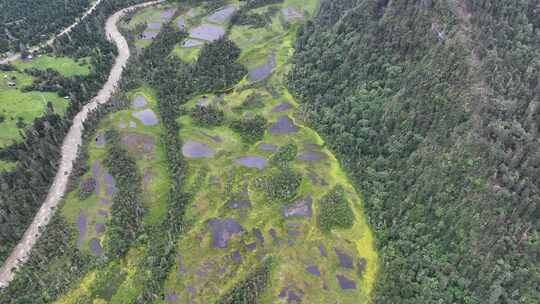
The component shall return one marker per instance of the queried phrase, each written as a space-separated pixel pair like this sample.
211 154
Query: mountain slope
431 108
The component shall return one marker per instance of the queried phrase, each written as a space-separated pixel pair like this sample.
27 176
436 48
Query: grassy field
19 108
208 272
65 65
16 105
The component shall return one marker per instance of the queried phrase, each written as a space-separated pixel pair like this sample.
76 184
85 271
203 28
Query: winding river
70 146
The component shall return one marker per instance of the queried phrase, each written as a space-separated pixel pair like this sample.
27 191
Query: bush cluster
285 154
251 129
335 211
281 185
207 116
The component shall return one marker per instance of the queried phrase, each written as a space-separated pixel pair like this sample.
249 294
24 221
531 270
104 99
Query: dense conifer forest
29 22
433 109
38 155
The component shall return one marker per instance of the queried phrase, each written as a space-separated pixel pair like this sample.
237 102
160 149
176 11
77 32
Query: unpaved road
70 147
51 41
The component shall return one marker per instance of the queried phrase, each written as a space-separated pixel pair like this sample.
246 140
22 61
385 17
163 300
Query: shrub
20 123
207 116
282 185
285 154
249 289
88 186
251 129
335 211
252 20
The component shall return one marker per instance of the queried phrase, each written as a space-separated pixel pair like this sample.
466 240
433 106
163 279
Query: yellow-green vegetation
18 108
64 65
283 228
205 271
82 290
187 54
7 165
141 141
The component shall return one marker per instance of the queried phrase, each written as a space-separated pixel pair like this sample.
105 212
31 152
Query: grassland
209 270
18 108
203 273
16 105
65 65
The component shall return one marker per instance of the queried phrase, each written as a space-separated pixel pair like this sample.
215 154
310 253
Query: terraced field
269 199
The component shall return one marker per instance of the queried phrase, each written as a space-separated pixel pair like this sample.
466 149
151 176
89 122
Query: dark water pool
195 149
208 32
95 246
223 14
267 147
311 156
149 35
264 70
283 125
139 101
345 283
252 162
147 117
223 230
281 107
81 225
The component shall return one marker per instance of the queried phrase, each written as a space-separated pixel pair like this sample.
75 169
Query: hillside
431 107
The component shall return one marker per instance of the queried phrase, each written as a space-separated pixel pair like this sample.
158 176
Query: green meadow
18 108
65 65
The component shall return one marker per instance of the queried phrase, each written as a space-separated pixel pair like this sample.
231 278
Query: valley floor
234 226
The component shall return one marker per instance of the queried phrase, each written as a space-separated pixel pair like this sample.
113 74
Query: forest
432 109
38 155
28 22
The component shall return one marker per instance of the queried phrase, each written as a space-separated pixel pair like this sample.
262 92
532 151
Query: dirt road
51 41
